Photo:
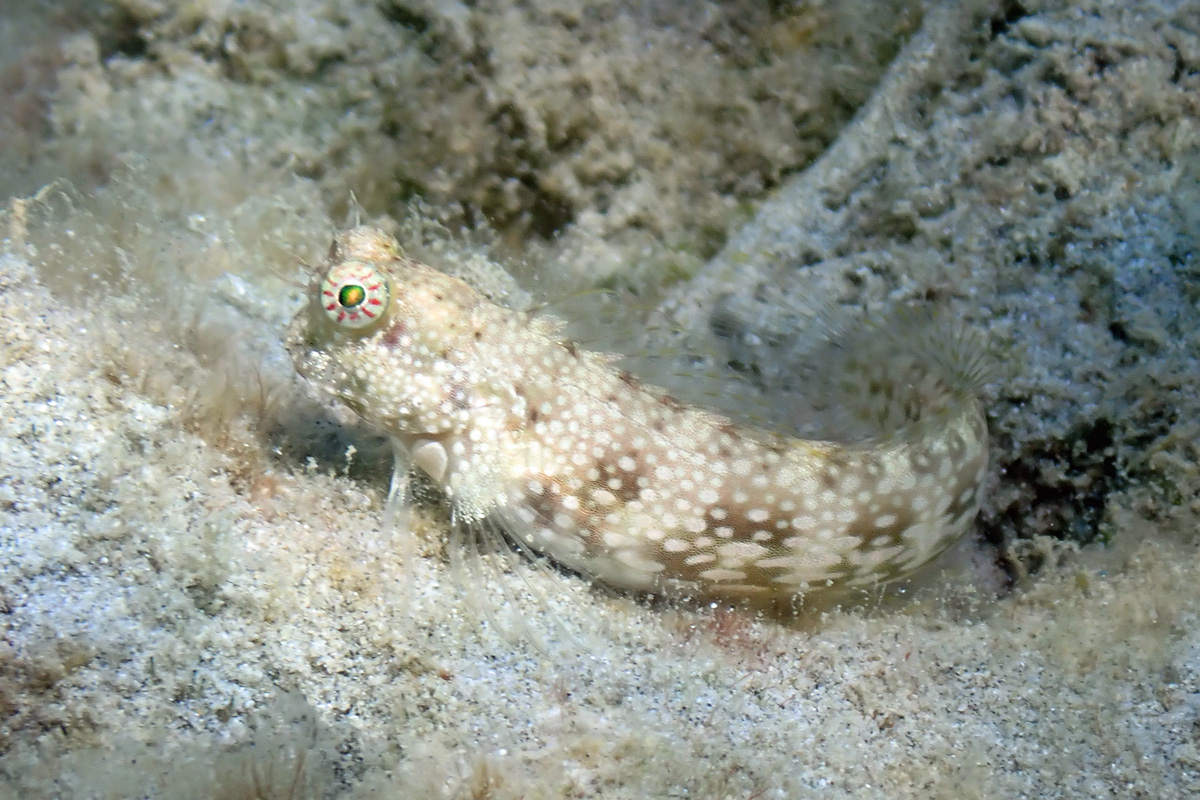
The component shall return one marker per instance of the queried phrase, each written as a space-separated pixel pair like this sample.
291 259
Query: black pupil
352 295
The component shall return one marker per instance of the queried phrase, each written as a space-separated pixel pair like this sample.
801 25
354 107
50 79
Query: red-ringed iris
354 294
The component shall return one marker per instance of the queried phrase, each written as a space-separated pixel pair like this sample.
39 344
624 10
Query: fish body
614 478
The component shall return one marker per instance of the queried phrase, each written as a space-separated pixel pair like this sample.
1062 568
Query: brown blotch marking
629 489
627 378
392 338
458 396
733 432
730 430
828 481
779 445
671 403
835 468
571 348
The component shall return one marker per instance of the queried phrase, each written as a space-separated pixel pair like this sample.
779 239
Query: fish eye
354 295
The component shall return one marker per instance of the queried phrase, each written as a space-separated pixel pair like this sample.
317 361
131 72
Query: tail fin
833 372
888 373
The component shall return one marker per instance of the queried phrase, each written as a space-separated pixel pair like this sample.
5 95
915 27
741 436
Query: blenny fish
575 459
